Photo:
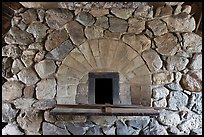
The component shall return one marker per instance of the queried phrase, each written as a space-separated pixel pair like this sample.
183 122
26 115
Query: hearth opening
103 88
103 91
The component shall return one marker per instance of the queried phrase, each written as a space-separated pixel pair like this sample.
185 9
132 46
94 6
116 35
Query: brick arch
103 55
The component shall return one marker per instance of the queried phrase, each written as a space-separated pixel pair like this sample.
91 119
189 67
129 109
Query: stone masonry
49 53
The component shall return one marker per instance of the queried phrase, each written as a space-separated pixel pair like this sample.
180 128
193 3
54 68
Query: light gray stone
192 81
39 56
177 99
152 59
56 18
160 92
11 129
109 130
36 46
94 131
174 86
122 13
157 26
30 120
169 118
102 120
44 104
55 39
162 78
12 90
136 25
196 62
176 63
17 36
76 32
17 66
85 18
6 67
75 130
60 52
27 57
113 35
93 32
24 103
50 129
117 24
102 22
29 16
181 22
11 51
195 103
135 41
197 131
138 123
38 29
28 76
160 103
173 130
99 12
8 112
122 129
45 68
46 89
48 117
144 12
41 14
154 128
163 11
166 44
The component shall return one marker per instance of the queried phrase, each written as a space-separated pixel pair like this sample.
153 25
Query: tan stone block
103 51
76 54
135 94
141 71
135 25
94 46
65 100
84 79
82 93
64 79
131 54
146 95
141 80
99 12
86 50
61 90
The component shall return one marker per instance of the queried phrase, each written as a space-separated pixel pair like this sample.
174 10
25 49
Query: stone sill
106 110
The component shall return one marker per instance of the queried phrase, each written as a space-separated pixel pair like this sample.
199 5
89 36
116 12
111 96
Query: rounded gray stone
85 18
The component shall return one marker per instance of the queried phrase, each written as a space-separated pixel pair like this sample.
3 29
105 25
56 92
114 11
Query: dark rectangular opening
103 91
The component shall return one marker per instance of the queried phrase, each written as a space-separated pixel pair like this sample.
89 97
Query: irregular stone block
48 92
8 112
12 90
53 40
93 32
174 86
85 18
56 18
136 25
109 130
11 129
117 24
29 16
11 51
122 13
163 11
6 67
196 62
99 12
157 26
160 92
113 35
94 131
28 76
24 103
102 22
162 78
103 120
17 66
122 129
176 63
76 32
144 12
152 59
160 103
50 129
44 104
138 123
75 130
28 91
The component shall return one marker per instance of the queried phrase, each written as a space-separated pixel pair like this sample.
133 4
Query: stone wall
49 52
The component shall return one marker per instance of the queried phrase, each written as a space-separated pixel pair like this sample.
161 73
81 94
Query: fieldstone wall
49 53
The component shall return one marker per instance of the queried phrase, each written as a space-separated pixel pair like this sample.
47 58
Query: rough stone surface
56 18
117 24
158 27
109 130
36 46
44 104
162 78
30 120
167 44
102 120
85 18
192 42
195 103
28 92
12 90
17 36
75 130
48 92
6 67
138 123
176 63
17 66
163 11
11 129
192 81
181 22
152 59
75 31
169 118
11 51
39 56
144 12
60 52
196 62
29 16
28 76
160 103
8 112
160 92
94 131
45 68
50 129
38 30
53 39
135 41
24 103
99 12
48 117
135 25
122 13
102 22
93 32
174 86
177 99
122 129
